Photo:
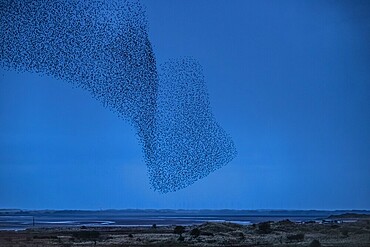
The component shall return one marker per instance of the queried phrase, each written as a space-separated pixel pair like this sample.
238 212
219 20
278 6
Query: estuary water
20 220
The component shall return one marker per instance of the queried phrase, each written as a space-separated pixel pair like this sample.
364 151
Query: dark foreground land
282 233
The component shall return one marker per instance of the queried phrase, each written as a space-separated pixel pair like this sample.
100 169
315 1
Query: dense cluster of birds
190 144
103 47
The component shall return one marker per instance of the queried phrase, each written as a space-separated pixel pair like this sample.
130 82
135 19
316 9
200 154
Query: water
21 220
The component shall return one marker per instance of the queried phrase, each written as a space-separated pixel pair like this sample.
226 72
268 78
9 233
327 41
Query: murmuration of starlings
104 48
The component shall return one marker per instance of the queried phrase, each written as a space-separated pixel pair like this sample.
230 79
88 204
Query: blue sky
288 80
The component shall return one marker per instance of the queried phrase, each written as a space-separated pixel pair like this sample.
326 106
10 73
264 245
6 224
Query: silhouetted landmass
349 216
320 214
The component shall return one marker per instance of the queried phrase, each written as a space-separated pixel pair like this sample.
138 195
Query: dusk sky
288 80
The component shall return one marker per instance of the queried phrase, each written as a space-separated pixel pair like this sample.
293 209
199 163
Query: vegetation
296 237
345 232
86 235
241 235
264 227
207 234
195 232
315 243
179 230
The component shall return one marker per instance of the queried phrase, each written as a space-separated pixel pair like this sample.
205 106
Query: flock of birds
103 47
